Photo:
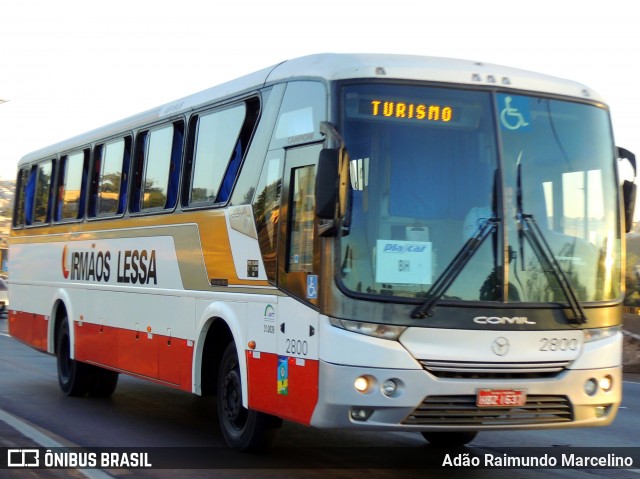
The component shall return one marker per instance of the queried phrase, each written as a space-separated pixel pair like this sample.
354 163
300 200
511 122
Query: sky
69 66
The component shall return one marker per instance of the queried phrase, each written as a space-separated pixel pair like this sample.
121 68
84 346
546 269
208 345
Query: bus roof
339 66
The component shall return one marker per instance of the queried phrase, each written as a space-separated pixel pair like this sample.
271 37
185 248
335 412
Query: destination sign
391 108
413 111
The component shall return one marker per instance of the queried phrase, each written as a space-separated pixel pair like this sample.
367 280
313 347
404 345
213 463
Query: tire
74 377
103 382
449 438
243 429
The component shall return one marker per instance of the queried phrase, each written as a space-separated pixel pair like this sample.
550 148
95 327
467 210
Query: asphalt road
144 415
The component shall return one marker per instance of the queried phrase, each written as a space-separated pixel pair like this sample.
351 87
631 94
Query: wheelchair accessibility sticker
312 286
514 112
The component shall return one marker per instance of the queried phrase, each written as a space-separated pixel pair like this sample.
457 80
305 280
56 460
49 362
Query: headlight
600 333
383 331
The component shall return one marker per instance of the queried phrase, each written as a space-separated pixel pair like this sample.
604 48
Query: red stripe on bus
142 353
29 328
293 399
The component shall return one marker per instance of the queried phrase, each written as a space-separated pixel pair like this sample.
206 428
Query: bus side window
19 208
110 170
157 168
233 169
71 186
303 109
215 157
42 193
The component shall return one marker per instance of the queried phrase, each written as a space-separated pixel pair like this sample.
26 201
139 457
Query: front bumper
423 402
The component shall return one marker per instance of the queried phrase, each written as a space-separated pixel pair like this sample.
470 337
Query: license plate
501 397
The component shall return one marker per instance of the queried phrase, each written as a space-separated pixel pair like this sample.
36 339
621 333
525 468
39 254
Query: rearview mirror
628 189
629 198
327 183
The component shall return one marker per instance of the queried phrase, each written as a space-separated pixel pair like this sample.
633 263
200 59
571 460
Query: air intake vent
482 370
462 411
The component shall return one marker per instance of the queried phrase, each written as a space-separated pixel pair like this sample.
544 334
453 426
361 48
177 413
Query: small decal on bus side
312 286
269 320
283 375
252 268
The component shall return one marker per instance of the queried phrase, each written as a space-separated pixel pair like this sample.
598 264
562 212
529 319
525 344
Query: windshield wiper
528 229
454 268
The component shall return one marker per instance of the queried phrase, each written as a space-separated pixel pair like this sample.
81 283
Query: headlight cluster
592 385
600 333
383 331
367 384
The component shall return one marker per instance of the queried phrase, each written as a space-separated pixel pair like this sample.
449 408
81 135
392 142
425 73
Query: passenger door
299 265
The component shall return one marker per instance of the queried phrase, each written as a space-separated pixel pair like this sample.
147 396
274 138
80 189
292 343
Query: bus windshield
430 167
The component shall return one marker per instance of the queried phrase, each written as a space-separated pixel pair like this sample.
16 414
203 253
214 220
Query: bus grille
482 370
462 411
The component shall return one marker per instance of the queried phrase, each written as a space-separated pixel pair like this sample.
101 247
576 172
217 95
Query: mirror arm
630 157
331 133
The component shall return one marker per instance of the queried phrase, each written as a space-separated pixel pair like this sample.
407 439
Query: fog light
389 387
361 384
361 414
606 383
591 387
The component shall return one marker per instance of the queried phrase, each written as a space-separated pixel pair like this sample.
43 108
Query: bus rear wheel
79 379
243 429
74 377
103 382
449 438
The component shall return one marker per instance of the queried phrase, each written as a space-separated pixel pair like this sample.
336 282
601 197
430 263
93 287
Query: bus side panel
282 385
30 328
175 361
125 349
91 343
140 352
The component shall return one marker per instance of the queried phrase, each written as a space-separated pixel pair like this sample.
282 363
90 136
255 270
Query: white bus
378 242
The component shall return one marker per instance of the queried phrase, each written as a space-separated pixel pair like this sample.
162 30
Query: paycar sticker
403 262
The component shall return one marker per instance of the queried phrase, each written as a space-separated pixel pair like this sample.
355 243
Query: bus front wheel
243 429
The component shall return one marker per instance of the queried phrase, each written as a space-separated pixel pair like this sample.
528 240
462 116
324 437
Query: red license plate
501 397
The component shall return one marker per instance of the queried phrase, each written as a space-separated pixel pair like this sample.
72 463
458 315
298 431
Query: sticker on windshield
403 262
514 112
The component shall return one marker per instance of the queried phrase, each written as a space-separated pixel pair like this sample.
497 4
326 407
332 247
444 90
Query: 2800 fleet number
558 344
295 346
